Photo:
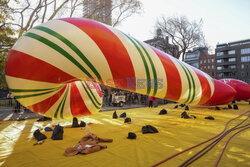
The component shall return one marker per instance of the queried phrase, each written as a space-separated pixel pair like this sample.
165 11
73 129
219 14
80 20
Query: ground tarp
175 134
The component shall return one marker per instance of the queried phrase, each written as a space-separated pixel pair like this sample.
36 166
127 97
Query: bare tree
32 12
119 10
122 9
182 32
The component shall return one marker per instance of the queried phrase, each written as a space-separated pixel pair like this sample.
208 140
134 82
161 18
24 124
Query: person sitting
88 144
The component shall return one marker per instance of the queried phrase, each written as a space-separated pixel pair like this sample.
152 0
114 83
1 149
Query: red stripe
206 90
77 105
43 106
22 65
112 48
242 88
173 77
95 86
223 94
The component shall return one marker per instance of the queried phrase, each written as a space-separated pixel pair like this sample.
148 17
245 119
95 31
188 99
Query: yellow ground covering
175 134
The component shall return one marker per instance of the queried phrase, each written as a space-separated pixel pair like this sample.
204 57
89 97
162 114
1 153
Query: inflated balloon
242 88
45 66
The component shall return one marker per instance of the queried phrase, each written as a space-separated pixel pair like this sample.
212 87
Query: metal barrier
11 104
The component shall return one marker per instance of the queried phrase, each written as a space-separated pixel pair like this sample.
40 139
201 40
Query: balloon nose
223 94
242 88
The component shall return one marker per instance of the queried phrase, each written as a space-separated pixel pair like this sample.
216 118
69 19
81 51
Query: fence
11 104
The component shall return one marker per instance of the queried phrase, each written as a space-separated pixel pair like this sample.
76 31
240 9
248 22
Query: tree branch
56 10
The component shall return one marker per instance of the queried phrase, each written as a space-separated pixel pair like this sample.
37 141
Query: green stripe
192 82
93 94
29 90
145 65
90 96
153 68
33 95
38 94
66 95
58 49
55 115
72 46
189 84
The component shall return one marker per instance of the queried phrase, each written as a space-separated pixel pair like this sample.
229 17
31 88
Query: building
199 58
163 44
233 60
207 64
98 10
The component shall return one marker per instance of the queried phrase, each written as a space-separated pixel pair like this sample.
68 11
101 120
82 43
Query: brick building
207 64
163 44
199 58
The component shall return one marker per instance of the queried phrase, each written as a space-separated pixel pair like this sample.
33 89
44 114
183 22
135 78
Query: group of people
152 100
130 97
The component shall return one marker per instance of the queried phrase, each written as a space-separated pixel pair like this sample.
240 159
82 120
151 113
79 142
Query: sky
223 20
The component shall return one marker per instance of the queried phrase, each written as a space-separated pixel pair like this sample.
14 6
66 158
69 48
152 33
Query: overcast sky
224 20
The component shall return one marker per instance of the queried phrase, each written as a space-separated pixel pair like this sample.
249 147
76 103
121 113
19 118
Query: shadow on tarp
175 134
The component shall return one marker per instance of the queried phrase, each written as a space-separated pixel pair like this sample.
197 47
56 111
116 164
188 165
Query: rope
168 158
194 158
222 151
211 145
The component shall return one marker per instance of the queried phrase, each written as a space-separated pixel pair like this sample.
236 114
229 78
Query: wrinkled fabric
175 134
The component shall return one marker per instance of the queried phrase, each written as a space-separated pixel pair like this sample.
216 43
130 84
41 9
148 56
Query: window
219 53
245 59
212 60
196 65
232 59
208 61
232 67
242 73
191 56
201 62
208 67
220 61
212 66
219 68
205 67
245 51
220 75
231 52
205 61
242 66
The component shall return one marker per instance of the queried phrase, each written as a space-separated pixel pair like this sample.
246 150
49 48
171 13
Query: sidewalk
109 108
7 113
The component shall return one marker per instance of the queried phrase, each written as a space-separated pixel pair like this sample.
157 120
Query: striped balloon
48 67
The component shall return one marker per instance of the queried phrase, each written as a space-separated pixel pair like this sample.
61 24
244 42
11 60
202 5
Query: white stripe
86 98
184 81
137 62
198 89
85 44
160 71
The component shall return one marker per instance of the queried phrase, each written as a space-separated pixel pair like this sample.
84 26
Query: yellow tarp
175 134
